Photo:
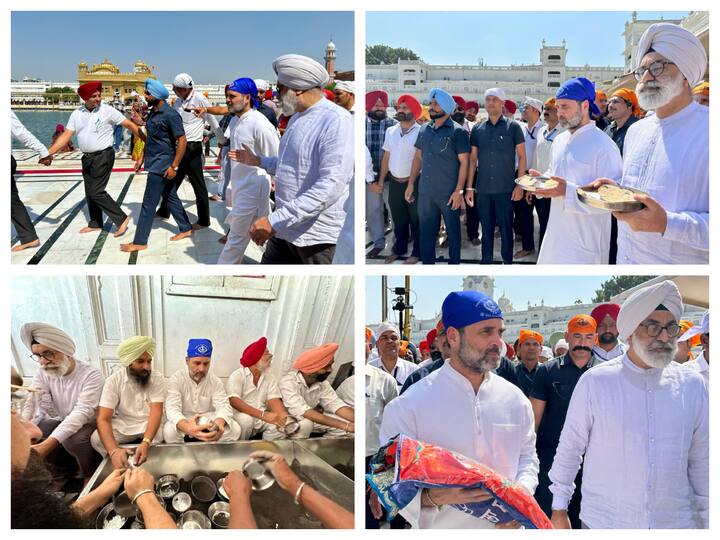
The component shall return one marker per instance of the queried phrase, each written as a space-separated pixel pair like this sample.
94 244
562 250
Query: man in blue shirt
441 161
164 150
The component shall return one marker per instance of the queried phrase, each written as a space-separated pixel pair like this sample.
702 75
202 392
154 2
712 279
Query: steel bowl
203 488
221 490
207 420
219 514
123 505
108 518
292 426
194 519
167 486
258 474
181 502
138 513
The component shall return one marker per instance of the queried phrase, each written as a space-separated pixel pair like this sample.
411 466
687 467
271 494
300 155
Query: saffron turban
550 102
371 99
582 324
425 113
156 89
368 334
509 350
199 348
599 94
472 105
253 352
431 335
315 359
693 339
88 89
529 334
245 86
183 80
704 328
629 95
702 88
424 346
677 45
345 86
261 84
412 104
463 308
132 348
459 101
579 89
403 347
48 335
510 106
387 326
443 99
496 92
534 103
300 72
602 310
643 302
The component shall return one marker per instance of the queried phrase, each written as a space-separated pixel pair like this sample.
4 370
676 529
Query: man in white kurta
642 424
466 408
251 130
193 392
609 345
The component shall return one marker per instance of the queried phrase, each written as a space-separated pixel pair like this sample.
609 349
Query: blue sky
430 291
504 38
224 45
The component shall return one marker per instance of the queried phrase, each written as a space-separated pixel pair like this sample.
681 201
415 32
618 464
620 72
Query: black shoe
374 252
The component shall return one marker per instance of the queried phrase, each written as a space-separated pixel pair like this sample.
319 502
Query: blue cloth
164 126
579 89
156 89
157 186
445 100
198 347
246 86
463 308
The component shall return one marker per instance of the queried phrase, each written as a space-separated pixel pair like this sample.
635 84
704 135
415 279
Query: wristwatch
148 441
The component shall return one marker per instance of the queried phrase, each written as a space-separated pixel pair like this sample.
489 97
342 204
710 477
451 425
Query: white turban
546 352
703 328
345 86
643 302
300 72
183 80
677 45
132 348
48 335
386 326
561 343
497 92
261 84
534 103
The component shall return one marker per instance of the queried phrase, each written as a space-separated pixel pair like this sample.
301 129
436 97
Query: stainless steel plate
533 183
592 198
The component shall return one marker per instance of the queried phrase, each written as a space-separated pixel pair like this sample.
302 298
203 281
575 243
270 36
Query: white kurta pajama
494 427
668 158
240 385
577 233
250 185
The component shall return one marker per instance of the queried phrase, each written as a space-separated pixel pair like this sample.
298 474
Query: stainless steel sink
340 453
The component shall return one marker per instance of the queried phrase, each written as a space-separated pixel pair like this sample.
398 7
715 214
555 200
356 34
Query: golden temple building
112 79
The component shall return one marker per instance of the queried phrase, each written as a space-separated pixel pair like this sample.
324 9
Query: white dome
330 46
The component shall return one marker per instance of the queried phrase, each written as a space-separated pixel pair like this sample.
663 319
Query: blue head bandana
579 89
445 100
461 309
246 86
199 347
156 89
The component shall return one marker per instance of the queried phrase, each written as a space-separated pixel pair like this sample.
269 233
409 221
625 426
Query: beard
142 376
288 102
436 355
572 122
317 378
654 94
404 117
197 377
607 338
657 354
59 370
434 115
478 361
263 365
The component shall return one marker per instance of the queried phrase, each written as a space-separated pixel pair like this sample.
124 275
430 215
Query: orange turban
583 324
529 334
440 327
315 359
368 334
702 88
629 95
600 95
403 347
425 113
550 102
684 327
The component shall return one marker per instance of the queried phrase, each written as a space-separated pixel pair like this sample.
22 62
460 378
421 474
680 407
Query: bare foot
129 248
523 253
90 229
197 226
34 243
181 235
215 198
223 239
122 228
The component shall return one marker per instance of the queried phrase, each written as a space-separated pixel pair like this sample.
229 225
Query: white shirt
603 356
299 398
669 159
401 148
380 389
193 125
72 398
402 369
94 129
701 366
532 136
20 133
130 401
577 233
185 398
543 148
346 391
369 172
240 385
494 427
644 433
313 170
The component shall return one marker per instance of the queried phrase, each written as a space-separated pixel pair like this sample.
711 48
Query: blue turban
246 86
199 347
156 89
461 309
445 100
579 89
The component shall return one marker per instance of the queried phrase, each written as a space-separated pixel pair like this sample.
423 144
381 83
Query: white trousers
173 435
121 438
249 426
249 205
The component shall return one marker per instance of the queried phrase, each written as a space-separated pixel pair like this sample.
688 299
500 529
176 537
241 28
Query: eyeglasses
655 68
50 356
654 329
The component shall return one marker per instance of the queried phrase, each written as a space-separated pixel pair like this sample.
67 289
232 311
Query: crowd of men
610 432
290 176
443 160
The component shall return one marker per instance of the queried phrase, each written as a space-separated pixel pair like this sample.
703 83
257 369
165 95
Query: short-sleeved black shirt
496 149
618 135
524 377
440 147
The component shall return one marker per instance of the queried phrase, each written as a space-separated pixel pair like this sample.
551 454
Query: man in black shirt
528 353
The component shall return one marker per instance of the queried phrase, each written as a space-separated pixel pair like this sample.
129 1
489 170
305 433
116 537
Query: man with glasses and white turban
666 154
70 395
641 422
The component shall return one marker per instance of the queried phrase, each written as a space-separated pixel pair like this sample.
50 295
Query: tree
617 284
384 54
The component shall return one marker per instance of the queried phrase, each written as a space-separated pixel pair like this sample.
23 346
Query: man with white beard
70 395
641 423
666 154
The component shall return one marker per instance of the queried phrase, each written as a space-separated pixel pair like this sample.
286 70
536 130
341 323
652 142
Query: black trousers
472 222
542 207
282 252
527 223
405 218
18 213
96 170
543 496
191 167
613 240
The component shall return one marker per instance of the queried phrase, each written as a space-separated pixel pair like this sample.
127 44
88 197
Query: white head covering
261 84
48 335
560 343
643 302
345 86
183 80
677 45
703 328
534 103
497 92
386 326
546 352
300 72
